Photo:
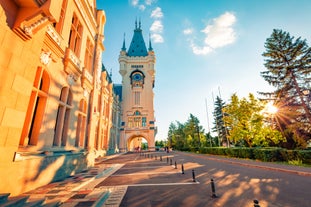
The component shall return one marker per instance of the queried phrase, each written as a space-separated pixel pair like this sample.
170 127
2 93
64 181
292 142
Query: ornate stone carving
28 29
45 57
71 79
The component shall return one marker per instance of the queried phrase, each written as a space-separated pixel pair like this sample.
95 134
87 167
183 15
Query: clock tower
137 68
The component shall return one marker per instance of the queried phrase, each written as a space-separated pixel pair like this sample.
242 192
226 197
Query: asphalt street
151 179
152 182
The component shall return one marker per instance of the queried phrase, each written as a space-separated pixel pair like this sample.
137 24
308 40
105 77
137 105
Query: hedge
263 154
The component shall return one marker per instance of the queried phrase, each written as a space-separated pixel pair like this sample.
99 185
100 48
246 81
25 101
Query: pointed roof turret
123 46
150 47
138 46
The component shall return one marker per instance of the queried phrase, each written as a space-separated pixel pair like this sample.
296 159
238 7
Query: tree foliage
219 126
246 123
187 135
288 64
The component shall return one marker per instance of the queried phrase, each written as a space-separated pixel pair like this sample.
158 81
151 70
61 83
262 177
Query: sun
271 109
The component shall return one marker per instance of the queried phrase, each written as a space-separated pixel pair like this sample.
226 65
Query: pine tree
288 63
219 124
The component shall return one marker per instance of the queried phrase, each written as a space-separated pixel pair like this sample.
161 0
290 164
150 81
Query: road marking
151 167
148 173
162 184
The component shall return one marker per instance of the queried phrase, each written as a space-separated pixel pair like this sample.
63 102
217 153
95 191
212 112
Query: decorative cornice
54 35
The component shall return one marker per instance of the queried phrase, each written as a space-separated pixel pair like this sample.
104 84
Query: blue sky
202 47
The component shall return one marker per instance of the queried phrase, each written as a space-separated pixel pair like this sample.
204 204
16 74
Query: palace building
137 68
58 106
59 109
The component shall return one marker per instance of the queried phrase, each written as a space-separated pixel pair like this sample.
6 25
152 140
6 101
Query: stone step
17 201
34 203
52 204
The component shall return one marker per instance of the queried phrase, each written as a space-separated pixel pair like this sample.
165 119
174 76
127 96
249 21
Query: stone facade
56 102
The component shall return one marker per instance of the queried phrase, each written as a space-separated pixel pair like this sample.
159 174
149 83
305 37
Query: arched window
62 119
81 124
36 107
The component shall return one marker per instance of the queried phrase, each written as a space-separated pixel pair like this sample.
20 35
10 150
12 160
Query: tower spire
123 46
150 47
137 48
136 23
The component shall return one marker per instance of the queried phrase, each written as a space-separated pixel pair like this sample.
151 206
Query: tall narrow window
62 120
137 121
81 124
88 59
144 121
75 37
130 122
59 25
136 98
36 107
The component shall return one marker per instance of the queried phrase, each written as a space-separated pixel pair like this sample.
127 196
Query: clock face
137 77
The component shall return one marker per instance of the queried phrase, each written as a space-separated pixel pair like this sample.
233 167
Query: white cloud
149 2
156 30
156 27
188 31
134 2
217 34
157 13
142 7
157 38
200 50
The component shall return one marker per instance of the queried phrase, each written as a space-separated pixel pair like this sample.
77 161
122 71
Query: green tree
219 125
246 123
288 64
193 131
185 135
176 136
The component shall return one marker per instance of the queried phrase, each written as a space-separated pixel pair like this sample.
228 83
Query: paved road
142 180
151 182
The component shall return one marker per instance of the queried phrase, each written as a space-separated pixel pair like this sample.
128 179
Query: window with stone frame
62 119
75 36
36 108
81 124
60 24
89 54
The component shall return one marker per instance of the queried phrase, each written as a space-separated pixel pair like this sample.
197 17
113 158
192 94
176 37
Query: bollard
160 157
175 165
193 176
256 203
213 189
182 169
171 161
166 159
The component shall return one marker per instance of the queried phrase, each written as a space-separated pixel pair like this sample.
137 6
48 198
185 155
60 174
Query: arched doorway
137 143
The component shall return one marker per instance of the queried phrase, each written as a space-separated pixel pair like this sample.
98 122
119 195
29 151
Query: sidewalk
79 190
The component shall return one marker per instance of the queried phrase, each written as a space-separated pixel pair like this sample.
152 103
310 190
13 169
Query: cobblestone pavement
150 179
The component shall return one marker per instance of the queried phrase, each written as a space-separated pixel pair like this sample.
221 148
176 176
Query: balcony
87 79
72 64
33 15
